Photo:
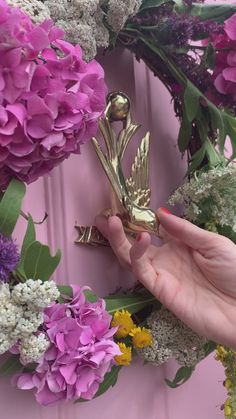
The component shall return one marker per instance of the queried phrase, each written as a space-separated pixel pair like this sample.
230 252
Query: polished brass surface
130 197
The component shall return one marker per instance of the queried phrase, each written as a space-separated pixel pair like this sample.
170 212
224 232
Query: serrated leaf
38 262
132 303
10 366
185 132
10 206
191 101
110 380
182 375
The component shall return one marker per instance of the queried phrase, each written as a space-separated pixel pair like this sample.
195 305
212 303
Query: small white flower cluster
36 9
82 20
210 197
119 11
21 315
172 338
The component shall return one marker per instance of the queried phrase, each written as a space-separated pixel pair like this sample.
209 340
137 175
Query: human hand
192 273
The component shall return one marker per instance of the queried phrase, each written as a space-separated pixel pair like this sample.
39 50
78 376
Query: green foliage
182 375
191 100
132 302
148 4
185 133
38 262
10 206
217 12
110 380
10 366
90 296
209 57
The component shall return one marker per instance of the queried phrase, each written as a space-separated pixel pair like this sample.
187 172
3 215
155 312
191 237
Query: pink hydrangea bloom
82 351
225 71
50 99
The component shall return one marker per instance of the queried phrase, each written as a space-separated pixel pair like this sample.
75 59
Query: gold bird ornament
130 198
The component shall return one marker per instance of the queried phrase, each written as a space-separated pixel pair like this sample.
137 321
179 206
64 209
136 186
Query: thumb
183 230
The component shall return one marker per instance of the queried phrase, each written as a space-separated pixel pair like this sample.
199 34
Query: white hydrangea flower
10 314
36 294
5 294
33 347
36 9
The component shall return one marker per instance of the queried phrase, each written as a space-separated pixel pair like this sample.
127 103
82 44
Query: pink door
76 192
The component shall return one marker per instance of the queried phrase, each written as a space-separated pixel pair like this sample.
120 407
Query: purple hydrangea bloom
82 351
9 257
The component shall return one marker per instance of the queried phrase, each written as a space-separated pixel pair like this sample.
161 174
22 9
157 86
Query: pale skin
193 273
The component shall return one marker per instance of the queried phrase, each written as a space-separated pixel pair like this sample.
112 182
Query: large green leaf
218 124
217 12
10 206
110 380
10 366
182 375
191 100
197 159
132 303
185 132
38 262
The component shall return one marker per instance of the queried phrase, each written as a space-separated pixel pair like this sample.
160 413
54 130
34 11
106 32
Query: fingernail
138 238
166 211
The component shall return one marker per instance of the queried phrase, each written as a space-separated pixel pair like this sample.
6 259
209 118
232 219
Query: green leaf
38 262
191 100
132 303
230 127
10 366
218 124
29 238
10 206
184 133
90 296
110 380
197 159
182 375
209 57
209 347
65 290
212 154
217 12
148 4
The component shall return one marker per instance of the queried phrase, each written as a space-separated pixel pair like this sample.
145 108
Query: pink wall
76 191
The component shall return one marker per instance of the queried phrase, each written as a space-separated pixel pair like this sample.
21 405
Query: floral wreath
64 341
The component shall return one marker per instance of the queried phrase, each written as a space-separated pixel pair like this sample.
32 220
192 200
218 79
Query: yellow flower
123 320
227 410
141 337
221 353
228 383
126 356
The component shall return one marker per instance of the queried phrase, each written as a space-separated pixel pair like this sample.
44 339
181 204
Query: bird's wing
138 183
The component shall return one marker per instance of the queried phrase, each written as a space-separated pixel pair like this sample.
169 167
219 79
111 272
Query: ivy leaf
132 303
110 380
182 375
38 262
10 206
185 132
191 100
10 366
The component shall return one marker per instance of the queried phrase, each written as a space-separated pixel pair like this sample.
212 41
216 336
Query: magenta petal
69 373
25 382
18 110
231 58
229 74
39 39
40 126
230 27
220 84
46 397
56 139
